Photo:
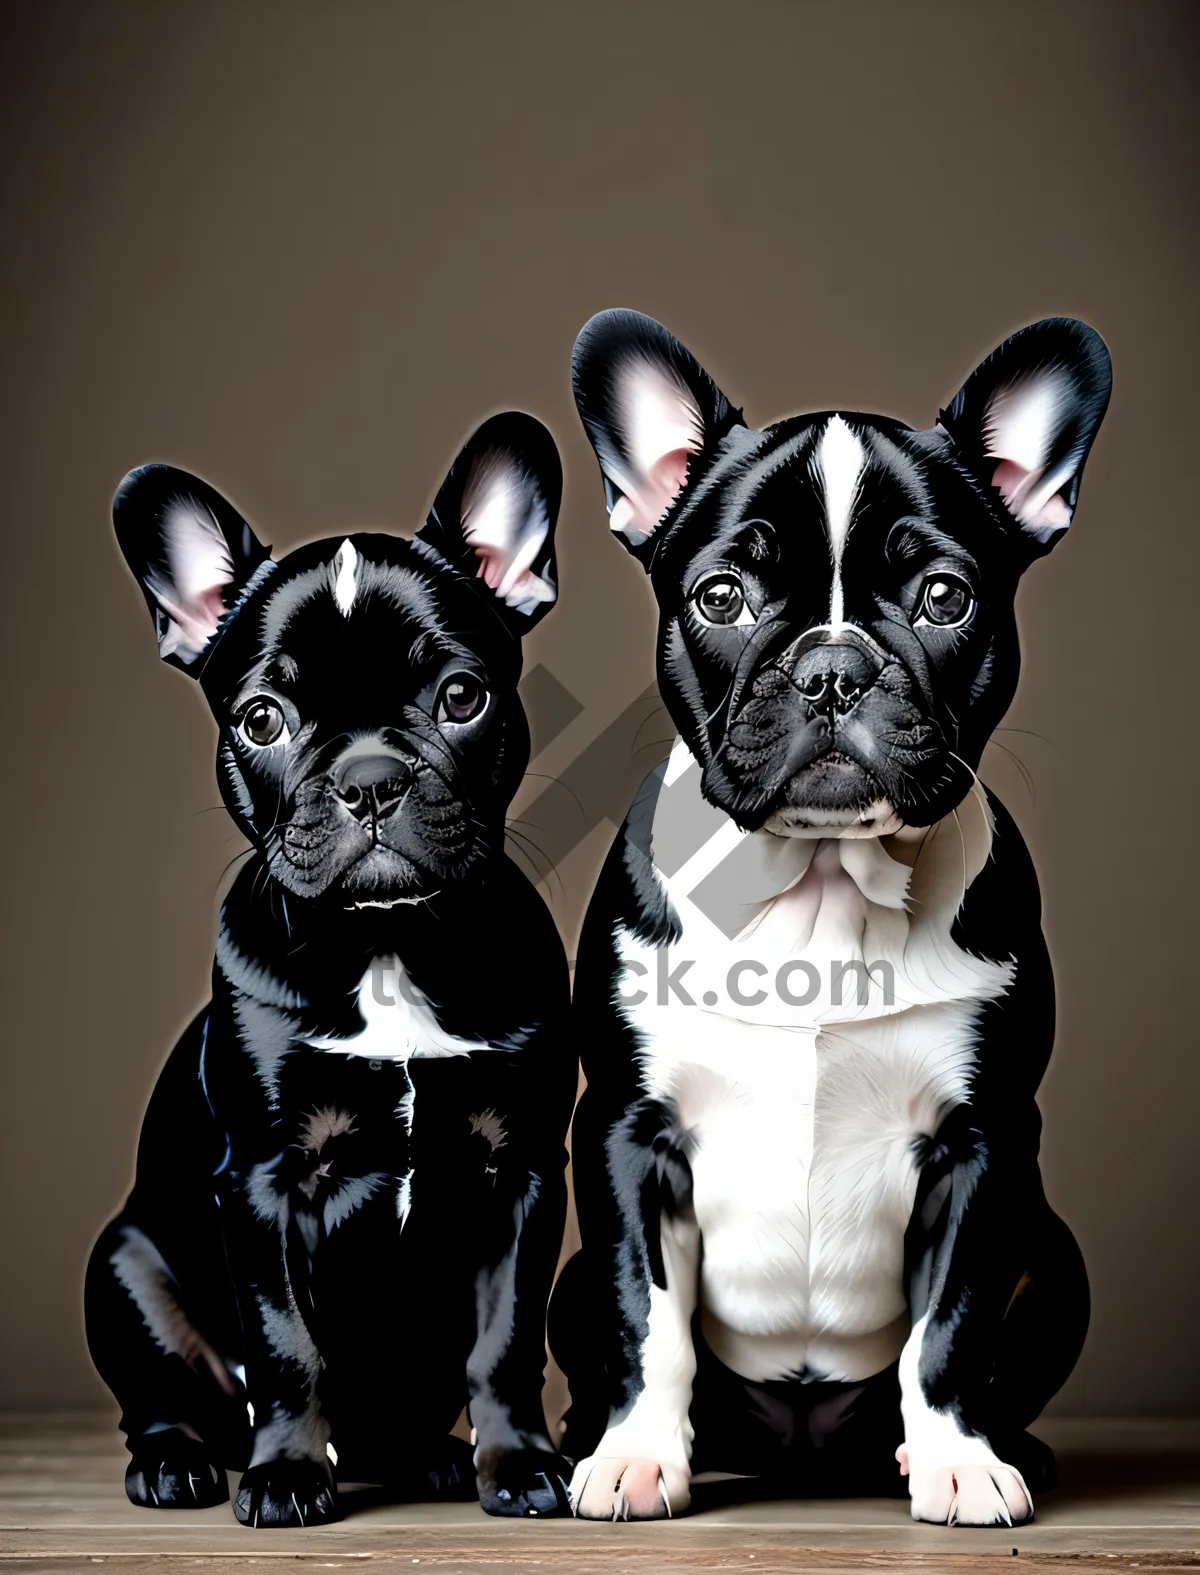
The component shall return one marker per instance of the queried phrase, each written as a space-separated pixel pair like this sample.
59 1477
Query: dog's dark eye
461 699
722 600
945 601
263 723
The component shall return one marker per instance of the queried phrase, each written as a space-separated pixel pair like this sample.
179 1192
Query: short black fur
350 1183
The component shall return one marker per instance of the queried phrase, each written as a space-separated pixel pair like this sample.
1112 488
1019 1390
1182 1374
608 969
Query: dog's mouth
376 876
879 818
391 902
373 869
833 781
382 876
797 775
861 763
834 795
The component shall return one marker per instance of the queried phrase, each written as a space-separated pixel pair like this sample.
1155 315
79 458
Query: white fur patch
656 1428
398 1022
657 1424
953 1477
398 1025
803 1107
839 461
345 577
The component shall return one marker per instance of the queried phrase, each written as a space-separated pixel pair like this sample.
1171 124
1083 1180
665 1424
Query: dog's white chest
805 1108
399 1023
804 1173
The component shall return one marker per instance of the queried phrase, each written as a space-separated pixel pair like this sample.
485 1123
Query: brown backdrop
302 248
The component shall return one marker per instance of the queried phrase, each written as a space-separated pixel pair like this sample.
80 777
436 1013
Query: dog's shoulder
1003 904
631 894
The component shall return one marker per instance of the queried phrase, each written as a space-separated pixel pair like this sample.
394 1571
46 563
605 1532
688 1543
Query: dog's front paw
521 1482
287 1493
975 1493
617 1487
171 1470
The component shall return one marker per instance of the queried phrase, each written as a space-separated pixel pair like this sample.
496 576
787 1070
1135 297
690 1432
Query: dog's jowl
812 997
349 1195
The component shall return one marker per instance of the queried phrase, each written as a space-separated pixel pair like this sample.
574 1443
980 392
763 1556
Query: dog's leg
976 1217
1045 1324
183 1412
289 1481
518 1470
576 1329
640 1468
161 1317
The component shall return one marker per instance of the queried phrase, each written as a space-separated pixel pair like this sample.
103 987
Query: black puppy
812 999
350 1181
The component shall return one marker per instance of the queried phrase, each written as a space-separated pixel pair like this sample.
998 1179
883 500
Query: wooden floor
1130 1499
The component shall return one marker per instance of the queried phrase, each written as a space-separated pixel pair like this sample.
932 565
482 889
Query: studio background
302 249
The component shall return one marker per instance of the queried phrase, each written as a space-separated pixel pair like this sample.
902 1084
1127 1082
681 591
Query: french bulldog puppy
812 999
350 1186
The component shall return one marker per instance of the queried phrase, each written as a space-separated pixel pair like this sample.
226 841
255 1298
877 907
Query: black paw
287 1493
171 1470
523 1482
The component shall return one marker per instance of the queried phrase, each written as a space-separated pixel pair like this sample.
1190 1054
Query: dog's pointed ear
495 514
190 551
648 406
1024 421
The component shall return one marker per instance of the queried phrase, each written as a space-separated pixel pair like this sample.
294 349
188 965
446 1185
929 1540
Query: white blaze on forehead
839 461
345 571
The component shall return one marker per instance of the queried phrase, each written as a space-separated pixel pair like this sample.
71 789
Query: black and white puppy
812 998
350 1182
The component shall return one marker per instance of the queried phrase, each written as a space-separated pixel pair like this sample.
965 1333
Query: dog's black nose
832 678
373 784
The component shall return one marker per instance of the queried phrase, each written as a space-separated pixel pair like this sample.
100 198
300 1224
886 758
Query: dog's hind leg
173 1372
1044 1327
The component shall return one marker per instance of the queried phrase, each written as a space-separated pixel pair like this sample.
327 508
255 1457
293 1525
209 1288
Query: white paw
618 1487
978 1493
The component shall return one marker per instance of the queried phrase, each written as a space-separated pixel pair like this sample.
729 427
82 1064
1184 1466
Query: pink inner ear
496 567
209 607
526 584
195 618
641 512
1012 480
492 565
1018 488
